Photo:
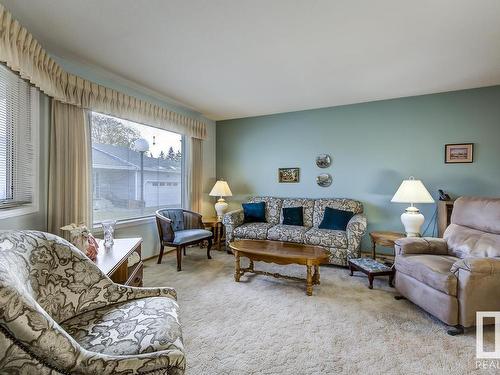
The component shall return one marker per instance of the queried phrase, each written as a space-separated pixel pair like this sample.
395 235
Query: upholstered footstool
372 269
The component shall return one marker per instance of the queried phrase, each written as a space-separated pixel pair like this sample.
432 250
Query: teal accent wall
374 147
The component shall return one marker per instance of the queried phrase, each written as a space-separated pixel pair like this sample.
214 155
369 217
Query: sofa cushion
254 212
431 270
130 328
466 242
340 204
252 231
307 209
189 235
293 216
273 207
288 233
326 237
335 219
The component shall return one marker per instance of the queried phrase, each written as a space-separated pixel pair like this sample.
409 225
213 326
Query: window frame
136 220
34 205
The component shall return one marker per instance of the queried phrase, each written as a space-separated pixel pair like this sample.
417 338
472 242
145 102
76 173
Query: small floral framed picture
288 175
459 153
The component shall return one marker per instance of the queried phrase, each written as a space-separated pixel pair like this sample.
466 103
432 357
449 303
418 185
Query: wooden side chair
180 228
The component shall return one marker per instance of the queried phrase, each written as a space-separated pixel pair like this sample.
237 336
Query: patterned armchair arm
231 220
129 293
356 228
192 220
33 330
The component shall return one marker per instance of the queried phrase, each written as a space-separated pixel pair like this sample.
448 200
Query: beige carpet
264 325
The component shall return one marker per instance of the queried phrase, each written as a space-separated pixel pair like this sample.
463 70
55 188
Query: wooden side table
445 208
122 262
386 239
217 229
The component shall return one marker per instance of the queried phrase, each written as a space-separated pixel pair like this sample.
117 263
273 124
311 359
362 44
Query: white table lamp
221 189
412 191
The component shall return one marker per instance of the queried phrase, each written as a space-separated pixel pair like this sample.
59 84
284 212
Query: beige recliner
454 277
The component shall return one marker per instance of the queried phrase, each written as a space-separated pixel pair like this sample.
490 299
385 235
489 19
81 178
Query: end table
122 262
386 239
217 228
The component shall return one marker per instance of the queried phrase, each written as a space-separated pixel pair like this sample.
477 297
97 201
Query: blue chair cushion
177 217
190 235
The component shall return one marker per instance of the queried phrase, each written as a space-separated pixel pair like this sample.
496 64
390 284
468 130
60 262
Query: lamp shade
221 189
412 191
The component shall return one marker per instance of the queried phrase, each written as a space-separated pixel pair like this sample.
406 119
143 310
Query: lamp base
412 220
221 208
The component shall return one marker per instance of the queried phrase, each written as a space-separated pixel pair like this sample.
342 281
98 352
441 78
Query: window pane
133 178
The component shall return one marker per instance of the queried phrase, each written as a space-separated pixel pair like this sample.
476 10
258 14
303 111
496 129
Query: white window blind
19 116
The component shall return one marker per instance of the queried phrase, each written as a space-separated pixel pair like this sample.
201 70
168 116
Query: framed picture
459 153
288 175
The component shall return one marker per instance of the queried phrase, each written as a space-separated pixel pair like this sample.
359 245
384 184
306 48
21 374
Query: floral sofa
59 314
342 245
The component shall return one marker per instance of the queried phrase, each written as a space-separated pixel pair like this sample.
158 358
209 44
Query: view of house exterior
117 182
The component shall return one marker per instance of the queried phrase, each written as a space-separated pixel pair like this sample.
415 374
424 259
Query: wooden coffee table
279 253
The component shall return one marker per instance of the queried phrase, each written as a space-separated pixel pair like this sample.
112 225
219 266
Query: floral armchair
60 314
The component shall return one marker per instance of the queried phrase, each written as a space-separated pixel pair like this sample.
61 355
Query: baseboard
166 251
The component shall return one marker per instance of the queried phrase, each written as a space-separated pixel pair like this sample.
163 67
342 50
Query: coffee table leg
309 281
236 266
251 265
316 275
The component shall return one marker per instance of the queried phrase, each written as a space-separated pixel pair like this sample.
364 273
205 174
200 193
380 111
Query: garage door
162 193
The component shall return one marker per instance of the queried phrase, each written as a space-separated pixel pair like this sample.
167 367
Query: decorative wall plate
324 180
323 161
